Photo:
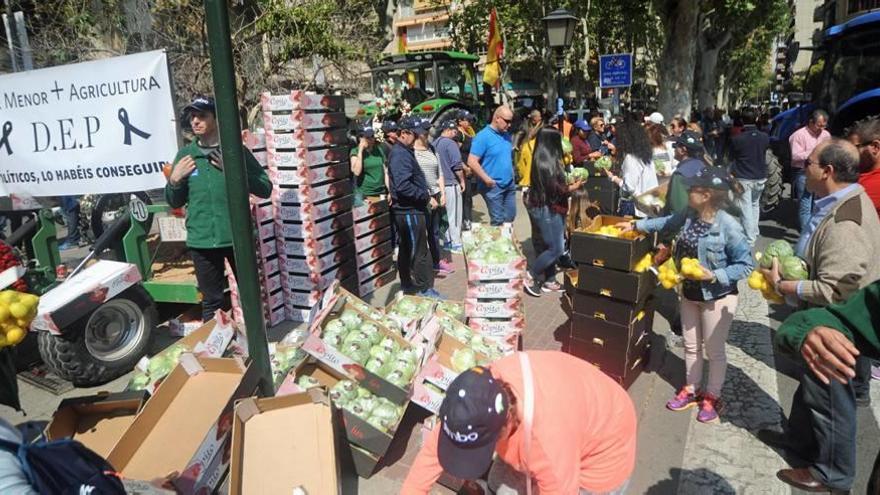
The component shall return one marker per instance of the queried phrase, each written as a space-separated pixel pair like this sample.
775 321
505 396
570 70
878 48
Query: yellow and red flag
401 41
492 72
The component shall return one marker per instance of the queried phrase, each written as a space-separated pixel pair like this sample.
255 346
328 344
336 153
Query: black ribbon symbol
123 118
4 140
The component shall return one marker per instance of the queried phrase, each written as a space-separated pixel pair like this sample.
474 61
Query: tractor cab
432 85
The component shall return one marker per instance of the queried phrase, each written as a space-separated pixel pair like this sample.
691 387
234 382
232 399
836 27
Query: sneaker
466 225
875 372
64 246
684 399
445 267
432 293
534 289
552 286
455 249
709 407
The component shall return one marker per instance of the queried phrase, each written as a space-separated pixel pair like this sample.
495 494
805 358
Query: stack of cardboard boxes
374 245
611 310
307 153
493 304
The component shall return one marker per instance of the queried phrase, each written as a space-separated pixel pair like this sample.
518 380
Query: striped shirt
430 167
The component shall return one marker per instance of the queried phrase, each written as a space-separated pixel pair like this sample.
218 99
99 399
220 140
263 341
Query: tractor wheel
108 208
773 187
105 344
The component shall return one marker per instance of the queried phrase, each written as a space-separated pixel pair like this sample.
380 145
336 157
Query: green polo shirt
371 182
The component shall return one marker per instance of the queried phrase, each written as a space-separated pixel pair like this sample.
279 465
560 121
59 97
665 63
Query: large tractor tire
105 344
108 207
772 194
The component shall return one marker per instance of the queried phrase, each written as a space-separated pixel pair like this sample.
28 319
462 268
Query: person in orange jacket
556 423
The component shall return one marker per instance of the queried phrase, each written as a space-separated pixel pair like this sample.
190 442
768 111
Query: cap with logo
582 125
472 416
422 127
690 140
656 118
201 104
449 124
367 132
390 126
709 178
465 115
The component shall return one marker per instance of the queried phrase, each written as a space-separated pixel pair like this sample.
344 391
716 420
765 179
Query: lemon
14 335
29 300
22 322
8 297
18 310
4 313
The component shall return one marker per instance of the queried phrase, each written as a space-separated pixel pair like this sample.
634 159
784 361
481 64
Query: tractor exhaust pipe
115 232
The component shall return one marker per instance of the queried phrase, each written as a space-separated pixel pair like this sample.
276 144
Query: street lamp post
559 26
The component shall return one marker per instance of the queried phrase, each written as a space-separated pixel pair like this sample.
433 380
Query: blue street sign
615 70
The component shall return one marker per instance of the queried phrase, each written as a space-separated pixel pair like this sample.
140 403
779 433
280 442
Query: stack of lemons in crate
17 310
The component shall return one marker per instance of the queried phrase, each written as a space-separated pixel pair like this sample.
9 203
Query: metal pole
13 36
560 64
223 71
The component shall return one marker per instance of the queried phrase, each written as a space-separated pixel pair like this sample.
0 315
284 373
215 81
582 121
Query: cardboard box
300 100
304 229
370 285
270 264
319 280
371 224
631 365
272 283
372 239
604 193
344 365
503 289
610 339
493 308
369 208
427 396
186 323
276 316
303 175
601 308
317 247
191 412
281 443
609 252
267 248
276 141
370 255
309 193
316 264
479 271
299 119
358 431
315 211
650 201
625 286
411 325
377 267
506 330
266 229
254 141
438 369
96 421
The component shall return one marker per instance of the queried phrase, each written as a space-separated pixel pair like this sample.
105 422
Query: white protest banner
105 126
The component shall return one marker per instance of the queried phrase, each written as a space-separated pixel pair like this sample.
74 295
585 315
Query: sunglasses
509 121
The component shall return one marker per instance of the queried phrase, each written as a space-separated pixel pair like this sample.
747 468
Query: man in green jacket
829 339
197 181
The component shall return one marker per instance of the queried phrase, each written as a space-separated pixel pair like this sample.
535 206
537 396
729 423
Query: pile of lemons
17 310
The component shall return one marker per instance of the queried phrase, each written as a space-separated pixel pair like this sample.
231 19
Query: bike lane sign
615 70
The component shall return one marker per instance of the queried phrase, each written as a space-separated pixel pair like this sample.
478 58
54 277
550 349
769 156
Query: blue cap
465 115
390 126
201 104
409 123
449 124
582 125
367 132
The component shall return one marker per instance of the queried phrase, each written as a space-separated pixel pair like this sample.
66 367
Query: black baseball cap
465 115
201 104
472 416
709 177
449 124
690 140
367 132
409 124
390 126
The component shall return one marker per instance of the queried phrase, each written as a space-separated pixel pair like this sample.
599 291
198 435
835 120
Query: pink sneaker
684 399
445 267
709 407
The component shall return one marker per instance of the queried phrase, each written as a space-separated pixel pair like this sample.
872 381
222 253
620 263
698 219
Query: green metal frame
43 248
137 252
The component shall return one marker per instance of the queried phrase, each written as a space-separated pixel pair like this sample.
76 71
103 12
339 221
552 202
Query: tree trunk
385 9
677 63
707 82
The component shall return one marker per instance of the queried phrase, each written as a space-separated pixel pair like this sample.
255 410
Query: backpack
65 467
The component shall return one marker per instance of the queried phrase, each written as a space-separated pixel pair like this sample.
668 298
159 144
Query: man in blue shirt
410 202
748 152
491 160
449 155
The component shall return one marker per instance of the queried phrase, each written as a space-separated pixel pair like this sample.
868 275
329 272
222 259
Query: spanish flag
401 41
492 72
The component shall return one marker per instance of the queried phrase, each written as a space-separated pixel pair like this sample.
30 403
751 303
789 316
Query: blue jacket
723 250
409 189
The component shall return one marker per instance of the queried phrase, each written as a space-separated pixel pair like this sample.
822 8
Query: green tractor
94 324
436 85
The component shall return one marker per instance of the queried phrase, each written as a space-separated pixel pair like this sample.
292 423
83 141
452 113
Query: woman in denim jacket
716 239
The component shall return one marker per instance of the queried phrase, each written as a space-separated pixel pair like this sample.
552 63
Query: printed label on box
369 208
426 397
308 139
369 241
492 308
300 100
365 226
495 290
381 265
299 176
306 193
307 158
320 228
317 247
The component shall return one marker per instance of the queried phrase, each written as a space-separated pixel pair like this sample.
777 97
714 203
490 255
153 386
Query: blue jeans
552 227
823 425
804 197
750 206
70 207
501 203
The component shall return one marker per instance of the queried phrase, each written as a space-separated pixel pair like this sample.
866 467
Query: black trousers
413 257
467 197
862 381
822 426
211 277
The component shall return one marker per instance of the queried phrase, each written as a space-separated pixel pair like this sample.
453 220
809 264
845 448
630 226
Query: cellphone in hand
214 159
